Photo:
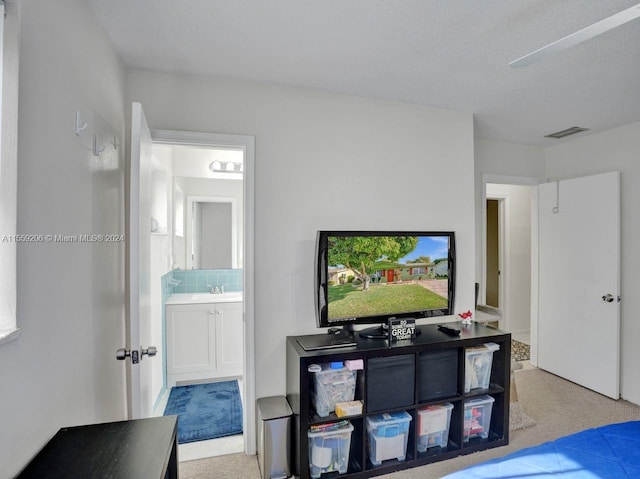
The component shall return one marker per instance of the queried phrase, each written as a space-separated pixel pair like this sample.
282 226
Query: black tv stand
436 375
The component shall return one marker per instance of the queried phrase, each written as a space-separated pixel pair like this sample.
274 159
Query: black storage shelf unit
446 350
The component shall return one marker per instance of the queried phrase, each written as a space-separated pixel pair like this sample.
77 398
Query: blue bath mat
206 411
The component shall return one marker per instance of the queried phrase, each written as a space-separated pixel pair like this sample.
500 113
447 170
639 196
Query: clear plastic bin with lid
329 446
477 417
388 434
334 383
433 426
477 367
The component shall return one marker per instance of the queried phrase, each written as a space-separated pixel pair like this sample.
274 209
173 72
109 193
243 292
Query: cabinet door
191 339
229 337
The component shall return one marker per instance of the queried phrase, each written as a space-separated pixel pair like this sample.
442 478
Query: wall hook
80 127
97 152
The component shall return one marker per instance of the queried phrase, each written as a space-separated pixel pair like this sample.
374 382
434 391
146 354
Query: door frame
505 180
247 143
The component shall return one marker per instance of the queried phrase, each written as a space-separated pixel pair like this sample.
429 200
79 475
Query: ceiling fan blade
580 36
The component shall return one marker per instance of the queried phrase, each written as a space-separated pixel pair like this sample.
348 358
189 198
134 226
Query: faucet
216 289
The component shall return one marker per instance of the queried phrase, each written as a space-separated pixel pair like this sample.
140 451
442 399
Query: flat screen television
369 277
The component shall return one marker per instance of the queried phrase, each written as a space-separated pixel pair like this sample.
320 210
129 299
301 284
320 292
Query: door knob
609 298
122 354
150 351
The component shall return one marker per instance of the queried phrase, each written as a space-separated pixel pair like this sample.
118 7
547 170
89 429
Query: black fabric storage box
390 382
437 374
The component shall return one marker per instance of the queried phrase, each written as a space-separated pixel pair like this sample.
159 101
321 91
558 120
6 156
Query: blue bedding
607 452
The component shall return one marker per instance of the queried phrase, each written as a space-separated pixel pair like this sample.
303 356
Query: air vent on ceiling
569 131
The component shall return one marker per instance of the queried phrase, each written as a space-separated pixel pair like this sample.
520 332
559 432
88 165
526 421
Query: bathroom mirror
211 233
205 210
208 223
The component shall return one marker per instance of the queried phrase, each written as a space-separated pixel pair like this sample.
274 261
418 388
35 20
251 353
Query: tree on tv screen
361 253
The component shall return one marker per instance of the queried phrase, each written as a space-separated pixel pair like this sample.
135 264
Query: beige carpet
558 406
231 466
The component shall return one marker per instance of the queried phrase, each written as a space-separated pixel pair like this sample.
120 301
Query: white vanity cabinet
204 341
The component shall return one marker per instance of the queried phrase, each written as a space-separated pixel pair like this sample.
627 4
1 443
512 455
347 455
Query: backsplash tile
196 281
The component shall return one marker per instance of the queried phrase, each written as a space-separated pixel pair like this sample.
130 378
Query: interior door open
139 371
579 281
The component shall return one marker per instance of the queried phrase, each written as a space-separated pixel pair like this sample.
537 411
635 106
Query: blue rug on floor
206 411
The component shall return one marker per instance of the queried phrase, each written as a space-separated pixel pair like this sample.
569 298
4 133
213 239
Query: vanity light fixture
226 167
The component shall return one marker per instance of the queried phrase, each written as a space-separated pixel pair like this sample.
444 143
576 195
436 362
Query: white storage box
433 426
351 408
329 449
332 386
477 417
388 435
477 367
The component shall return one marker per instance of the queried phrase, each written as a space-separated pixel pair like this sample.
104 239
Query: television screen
368 277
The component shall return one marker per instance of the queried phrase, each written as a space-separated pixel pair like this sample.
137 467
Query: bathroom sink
198 298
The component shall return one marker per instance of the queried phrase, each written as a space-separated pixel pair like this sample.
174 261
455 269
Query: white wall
517 249
616 149
62 370
325 161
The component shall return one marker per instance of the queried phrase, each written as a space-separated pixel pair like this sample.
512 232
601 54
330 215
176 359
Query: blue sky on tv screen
435 247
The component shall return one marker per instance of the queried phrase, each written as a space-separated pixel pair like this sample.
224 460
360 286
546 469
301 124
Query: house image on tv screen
416 281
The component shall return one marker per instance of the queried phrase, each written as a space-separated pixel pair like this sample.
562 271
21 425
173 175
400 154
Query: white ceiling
444 53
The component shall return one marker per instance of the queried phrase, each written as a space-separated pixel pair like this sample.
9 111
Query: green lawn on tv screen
347 300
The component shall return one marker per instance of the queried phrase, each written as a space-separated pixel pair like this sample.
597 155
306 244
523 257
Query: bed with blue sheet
607 452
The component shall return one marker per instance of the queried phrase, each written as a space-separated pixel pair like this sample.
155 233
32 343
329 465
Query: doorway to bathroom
201 248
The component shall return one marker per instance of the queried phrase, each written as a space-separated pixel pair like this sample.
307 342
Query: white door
579 279
139 373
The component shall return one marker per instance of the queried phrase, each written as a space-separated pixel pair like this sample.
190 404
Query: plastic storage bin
332 386
477 417
390 382
329 449
433 426
478 361
437 374
388 434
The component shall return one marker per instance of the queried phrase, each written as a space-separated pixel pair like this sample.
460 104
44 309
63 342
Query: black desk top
137 449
